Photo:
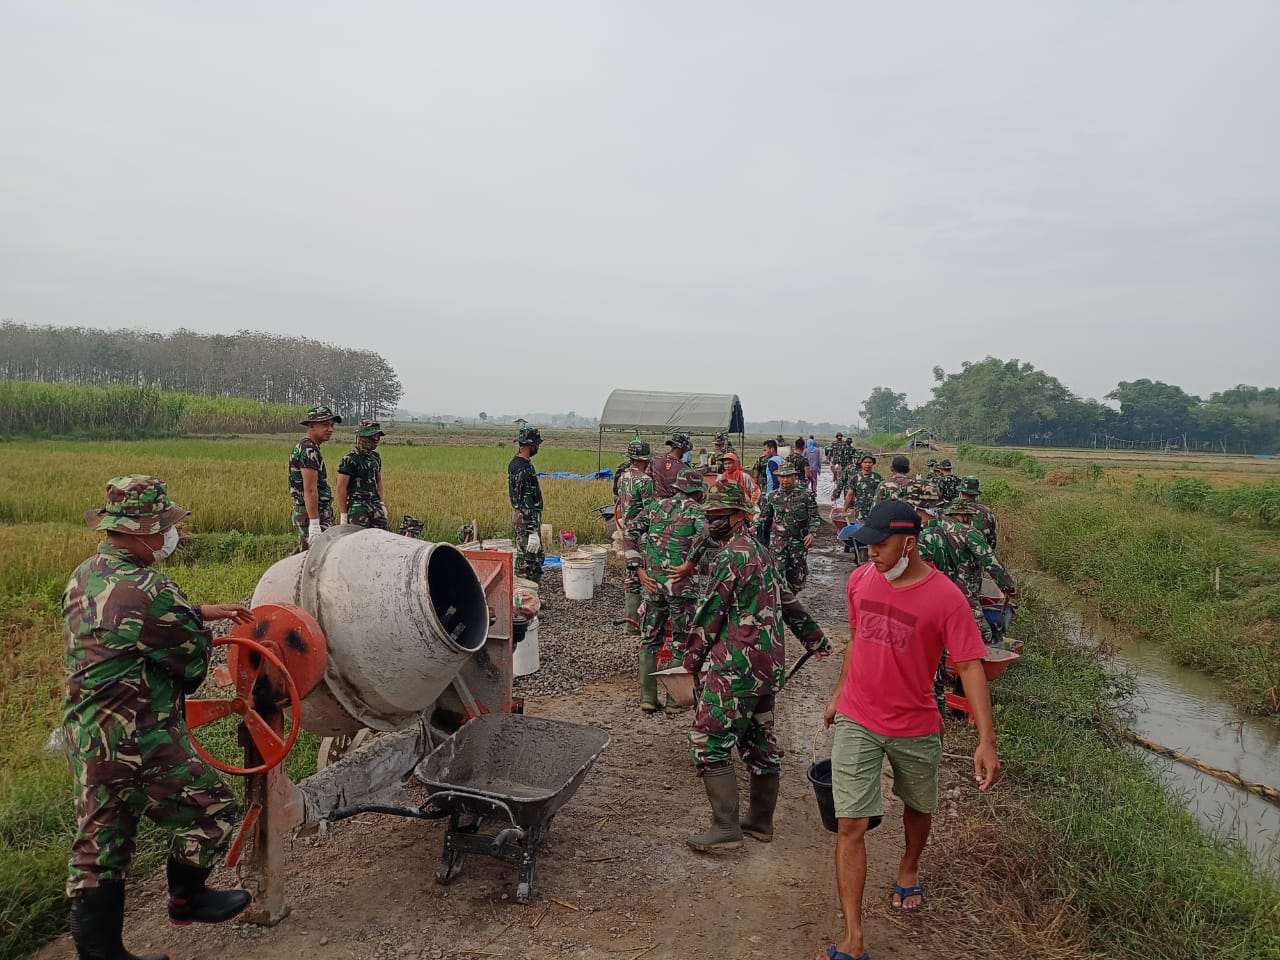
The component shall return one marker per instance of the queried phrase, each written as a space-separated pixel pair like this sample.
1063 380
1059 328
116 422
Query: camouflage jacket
667 472
306 455
791 515
635 488
760 472
841 454
893 488
363 471
668 533
948 486
977 560
864 487
797 460
984 521
523 487
940 546
133 644
738 625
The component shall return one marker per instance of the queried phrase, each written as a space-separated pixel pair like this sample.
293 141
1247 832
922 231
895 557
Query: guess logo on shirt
885 626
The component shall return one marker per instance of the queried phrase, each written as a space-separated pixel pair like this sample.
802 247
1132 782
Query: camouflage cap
370 428
727 496
529 435
931 462
320 414
136 504
944 464
722 437
867 456
970 485
922 493
639 449
680 441
787 471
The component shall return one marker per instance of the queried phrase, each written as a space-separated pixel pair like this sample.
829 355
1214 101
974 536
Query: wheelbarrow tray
530 766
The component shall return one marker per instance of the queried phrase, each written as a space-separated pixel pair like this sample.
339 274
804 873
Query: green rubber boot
648 682
725 832
633 614
758 823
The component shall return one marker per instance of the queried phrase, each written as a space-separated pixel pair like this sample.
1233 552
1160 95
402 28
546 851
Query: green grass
1087 823
1253 503
1003 457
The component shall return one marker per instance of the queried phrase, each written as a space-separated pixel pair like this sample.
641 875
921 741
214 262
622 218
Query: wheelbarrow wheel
524 890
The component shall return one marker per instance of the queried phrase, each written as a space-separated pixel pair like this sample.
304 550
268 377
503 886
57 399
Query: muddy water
1188 712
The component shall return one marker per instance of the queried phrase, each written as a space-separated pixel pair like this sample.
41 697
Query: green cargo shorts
857 756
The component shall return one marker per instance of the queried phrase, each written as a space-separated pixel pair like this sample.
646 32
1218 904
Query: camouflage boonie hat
787 471
639 450
680 441
727 496
931 462
692 484
944 464
721 438
867 456
370 428
922 493
529 435
136 504
320 414
956 507
970 485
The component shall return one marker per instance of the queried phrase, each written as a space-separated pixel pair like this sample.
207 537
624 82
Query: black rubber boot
648 682
758 823
190 901
97 924
722 792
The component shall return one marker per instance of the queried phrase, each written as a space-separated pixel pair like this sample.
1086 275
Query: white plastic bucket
525 660
579 576
599 555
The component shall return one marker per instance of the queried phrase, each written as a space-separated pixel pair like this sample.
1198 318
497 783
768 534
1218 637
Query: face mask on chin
170 544
899 568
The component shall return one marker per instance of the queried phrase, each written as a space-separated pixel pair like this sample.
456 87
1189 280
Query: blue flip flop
903 893
834 954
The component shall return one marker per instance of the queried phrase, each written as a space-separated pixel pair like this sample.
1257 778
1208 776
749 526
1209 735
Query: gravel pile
577 641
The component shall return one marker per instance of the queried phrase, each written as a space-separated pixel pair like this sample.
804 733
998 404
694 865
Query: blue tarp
605 474
552 561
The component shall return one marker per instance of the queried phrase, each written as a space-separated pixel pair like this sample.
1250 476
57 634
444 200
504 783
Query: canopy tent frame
656 411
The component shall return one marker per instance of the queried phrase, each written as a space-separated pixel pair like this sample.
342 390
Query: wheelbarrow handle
798 664
433 801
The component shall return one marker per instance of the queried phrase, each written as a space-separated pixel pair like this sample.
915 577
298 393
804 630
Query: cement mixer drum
401 617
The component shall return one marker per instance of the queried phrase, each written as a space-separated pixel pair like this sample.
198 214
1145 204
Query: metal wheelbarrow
510 770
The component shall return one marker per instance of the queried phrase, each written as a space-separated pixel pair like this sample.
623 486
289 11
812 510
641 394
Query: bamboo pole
1270 794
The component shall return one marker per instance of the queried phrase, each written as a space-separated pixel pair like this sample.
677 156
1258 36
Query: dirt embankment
615 878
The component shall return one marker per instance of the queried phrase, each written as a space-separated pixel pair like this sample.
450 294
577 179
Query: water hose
1270 794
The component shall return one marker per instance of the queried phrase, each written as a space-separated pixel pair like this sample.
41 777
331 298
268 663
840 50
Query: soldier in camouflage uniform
976 560
525 494
668 471
948 485
984 518
134 646
861 496
308 483
738 632
790 514
635 486
797 459
360 499
720 447
899 478
670 537
411 527
836 456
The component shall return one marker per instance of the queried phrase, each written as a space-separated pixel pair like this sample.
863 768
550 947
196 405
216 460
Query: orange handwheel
258 673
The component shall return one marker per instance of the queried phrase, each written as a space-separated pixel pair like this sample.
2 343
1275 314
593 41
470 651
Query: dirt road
615 878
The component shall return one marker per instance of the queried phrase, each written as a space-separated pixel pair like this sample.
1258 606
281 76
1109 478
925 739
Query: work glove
313 531
342 517
535 542
382 505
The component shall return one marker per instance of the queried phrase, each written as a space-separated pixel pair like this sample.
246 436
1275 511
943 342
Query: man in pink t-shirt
902 614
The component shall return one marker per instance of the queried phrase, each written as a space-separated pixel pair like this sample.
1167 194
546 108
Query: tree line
997 401
258 366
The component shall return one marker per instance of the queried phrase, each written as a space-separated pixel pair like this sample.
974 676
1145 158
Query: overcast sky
523 205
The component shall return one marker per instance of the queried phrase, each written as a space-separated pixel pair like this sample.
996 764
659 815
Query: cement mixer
369 629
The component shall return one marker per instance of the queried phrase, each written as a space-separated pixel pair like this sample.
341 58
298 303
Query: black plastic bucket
820 777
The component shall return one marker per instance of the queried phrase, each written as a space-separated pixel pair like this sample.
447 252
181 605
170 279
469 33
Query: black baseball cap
886 519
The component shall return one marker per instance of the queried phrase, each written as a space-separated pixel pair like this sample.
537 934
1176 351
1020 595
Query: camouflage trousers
154 774
657 610
528 562
735 709
792 566
367 513
980 619
301 521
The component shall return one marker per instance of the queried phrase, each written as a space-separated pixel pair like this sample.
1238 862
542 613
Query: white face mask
170 544
899 568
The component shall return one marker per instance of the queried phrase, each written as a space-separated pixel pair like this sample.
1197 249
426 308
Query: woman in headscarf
733 473
813 456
